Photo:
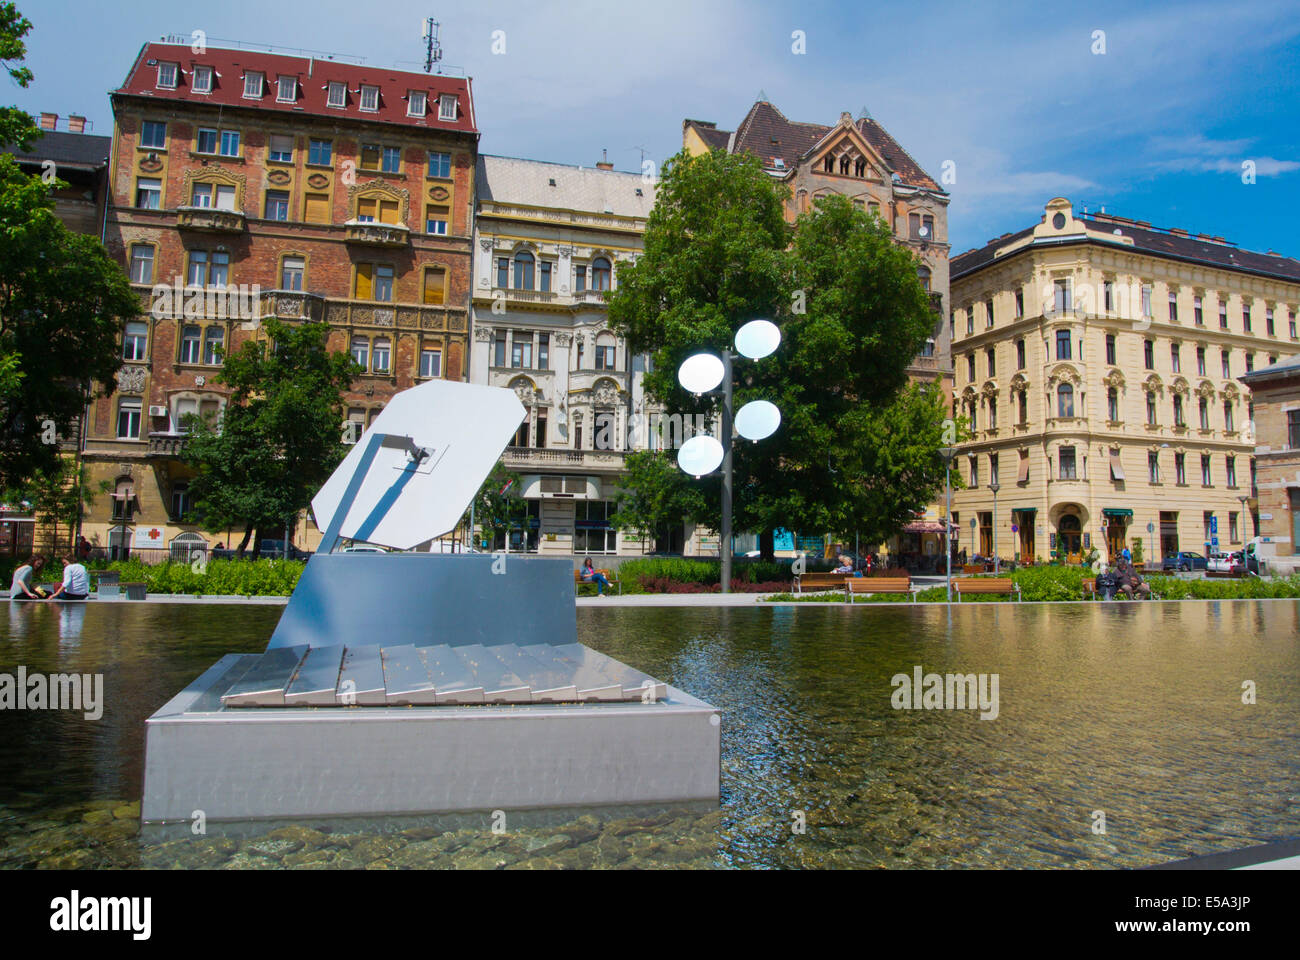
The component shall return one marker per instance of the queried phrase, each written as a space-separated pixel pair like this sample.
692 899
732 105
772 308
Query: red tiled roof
313 76
765 132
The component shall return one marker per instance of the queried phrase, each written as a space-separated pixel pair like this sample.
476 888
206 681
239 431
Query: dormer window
338 95
253 84
416 103
286 89
167 73
447 107
202 79
369 98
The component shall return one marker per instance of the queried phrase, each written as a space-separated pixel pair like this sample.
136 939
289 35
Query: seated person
1130 581
591 575
76 582
846 565
22 588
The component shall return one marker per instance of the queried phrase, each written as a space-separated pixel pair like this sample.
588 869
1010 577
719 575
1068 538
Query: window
374 281
1061 295
970 368
361 352
992 361
1062 344
369 156
1293 429
253 84
338 95
392 160
202 80
435 285
503 272
1206 478
1020 303
1198 314
435 219
974 472
291 273
277 204
286 89
1067 465
186 407
600 272
521 349
1149 354
543 351
135 340
1207 519
440 165
416 103
523 270
1151 409
128 418
1112 405
369 98
1153 466
153 134
316 207
970 319
1227 415
1223 314
167 76
229 143
1200 361
208 269
605 353
580 279
1290 327
993 468
383 282
191 340
1205 414
1231 463
382 351
320 152
1175 358
988 313
1250 362
1233 535
447 107
206 141
1024 408
1180 469
1110 348
1268 322
499 349
1173 307
370 209
280 149
1146 301
1108 296
1065 400
922 273
214 342
1227 365
1020 354
544 273
148 193
1178 410
141 263
993 415
1245 316
180 502
430 362
218 195
927 348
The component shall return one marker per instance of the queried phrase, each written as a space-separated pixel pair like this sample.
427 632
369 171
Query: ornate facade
247 185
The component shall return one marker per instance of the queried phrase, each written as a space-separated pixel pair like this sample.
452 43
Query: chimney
603 163
1178 231
76 123
49 120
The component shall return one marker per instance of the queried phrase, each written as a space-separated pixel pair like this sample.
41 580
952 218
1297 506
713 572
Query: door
1071 535
1116 536
1026 522
1295 520
1168 534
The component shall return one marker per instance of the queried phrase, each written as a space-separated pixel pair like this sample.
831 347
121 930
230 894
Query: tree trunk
767 545
243 544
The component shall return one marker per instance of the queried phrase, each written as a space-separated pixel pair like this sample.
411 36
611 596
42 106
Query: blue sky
1156 128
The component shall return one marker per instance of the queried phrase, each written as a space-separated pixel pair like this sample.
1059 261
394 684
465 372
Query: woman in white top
21 588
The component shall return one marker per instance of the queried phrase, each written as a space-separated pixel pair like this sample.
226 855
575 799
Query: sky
1149 110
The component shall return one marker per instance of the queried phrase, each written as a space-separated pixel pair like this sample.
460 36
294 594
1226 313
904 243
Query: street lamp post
947 453
994 487
1245 513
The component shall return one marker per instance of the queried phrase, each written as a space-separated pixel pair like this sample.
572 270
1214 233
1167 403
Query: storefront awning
1116 512
1024 509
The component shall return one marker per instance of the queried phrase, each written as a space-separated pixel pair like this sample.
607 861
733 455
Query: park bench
613 580
107 584
866 585
974 568
987 585
821 581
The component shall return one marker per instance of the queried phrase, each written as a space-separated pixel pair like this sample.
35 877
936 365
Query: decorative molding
131 379
318 181
483 334
213 175
524 389
151 164
439 193
563 339
278 177
381 188
485 244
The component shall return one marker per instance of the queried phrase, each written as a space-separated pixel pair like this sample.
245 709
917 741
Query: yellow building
1096 359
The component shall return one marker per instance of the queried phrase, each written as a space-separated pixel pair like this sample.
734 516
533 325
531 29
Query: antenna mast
432 48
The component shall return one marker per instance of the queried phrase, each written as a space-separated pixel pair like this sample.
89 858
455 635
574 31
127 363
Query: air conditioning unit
157 411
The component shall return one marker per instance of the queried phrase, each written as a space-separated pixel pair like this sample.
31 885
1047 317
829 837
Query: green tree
858 447
280 436
497 503
16 126
56 497
655 495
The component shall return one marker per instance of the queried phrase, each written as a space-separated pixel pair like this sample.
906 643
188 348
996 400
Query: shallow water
1131 710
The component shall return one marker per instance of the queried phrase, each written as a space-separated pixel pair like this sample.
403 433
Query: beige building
1097 361
1276 391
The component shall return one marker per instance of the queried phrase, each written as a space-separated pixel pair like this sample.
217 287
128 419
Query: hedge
243 578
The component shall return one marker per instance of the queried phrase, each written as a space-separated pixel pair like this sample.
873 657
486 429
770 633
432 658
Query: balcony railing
378 234
166 444
210 220
292 305
527 456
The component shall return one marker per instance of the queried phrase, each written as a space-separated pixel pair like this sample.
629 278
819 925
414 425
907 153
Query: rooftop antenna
432 48
864 113
762 96
643 153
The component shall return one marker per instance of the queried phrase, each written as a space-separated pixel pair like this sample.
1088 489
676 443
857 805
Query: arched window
523 270
829 165
1065 400
214 340
844 165
191 336
600 273
860 168
605 350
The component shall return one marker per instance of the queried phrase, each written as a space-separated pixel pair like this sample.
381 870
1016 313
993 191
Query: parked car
1185 560
1224 563
363 548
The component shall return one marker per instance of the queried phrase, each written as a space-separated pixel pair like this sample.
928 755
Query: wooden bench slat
986 585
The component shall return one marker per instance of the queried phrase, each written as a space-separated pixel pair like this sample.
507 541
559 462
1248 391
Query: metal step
500 684
588 680
452 680
317 678
265 682
406 678
361 678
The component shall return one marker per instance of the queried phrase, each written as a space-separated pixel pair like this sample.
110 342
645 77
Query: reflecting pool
1127 716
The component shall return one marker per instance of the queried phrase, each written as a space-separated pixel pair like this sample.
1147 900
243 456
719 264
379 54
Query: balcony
292 305
928 364
295 305
166 444
377 234
209 220
592 459
591 297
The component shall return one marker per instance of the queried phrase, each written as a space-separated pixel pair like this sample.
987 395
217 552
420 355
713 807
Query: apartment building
245 185
550 240
1097 361
1276 393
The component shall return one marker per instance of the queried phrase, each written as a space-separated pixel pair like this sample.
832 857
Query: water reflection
1135 709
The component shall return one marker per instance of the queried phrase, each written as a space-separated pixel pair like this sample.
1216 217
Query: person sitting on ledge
1130 581
21 588
591 575
76 582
